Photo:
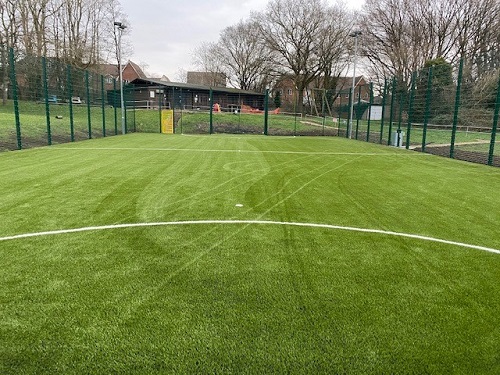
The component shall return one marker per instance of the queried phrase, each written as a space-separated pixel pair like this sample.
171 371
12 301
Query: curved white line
195 222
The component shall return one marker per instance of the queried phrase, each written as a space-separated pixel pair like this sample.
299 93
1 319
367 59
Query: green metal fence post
357 111
70 101
457 106
410 110
46 93
428 98
13 81
160 95
211 102
340 117
133 109
369 113
88 104
266 111
399 141
323 104
131 100
181 106
294 117
172 105
239 111
349 116
384 102
5 72
495 126
103 108
114 107
230 109
125 109
391 118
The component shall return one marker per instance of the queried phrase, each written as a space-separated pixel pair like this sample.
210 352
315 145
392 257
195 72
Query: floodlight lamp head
355 34
120 25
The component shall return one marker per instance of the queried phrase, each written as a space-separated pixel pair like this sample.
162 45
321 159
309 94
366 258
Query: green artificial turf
246 297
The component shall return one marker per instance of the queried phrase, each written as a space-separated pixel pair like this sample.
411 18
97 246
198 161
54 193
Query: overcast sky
164 33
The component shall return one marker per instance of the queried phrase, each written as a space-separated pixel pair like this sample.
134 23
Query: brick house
130 72
286 87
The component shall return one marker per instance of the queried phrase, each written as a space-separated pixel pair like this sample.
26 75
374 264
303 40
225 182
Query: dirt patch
470 156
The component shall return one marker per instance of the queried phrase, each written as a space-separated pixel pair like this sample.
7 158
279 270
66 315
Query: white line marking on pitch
237 151
197 222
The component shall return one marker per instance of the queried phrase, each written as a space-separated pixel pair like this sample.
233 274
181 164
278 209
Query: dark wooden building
150 93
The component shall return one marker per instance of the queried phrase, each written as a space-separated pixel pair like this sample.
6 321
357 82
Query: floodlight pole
355 35
120 26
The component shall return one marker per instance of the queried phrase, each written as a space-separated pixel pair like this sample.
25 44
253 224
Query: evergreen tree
277 99
441 91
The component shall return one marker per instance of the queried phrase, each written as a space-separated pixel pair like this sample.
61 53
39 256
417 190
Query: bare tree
334 46
387 39
478 38
10 22
401 35
181 75
89 33
79 32
244 56
305 41
484 91
35 17
144 67
9 35
110 34
289 28
207 59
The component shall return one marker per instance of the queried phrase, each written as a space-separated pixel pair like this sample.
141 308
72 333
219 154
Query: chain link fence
448 110
48 102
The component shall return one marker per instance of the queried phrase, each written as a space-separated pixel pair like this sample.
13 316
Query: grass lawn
33 119
482 147
246 254
34 125
189 122
434 136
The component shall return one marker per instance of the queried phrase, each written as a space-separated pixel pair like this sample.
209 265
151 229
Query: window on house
289 91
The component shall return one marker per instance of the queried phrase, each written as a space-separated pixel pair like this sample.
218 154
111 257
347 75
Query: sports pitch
148 253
